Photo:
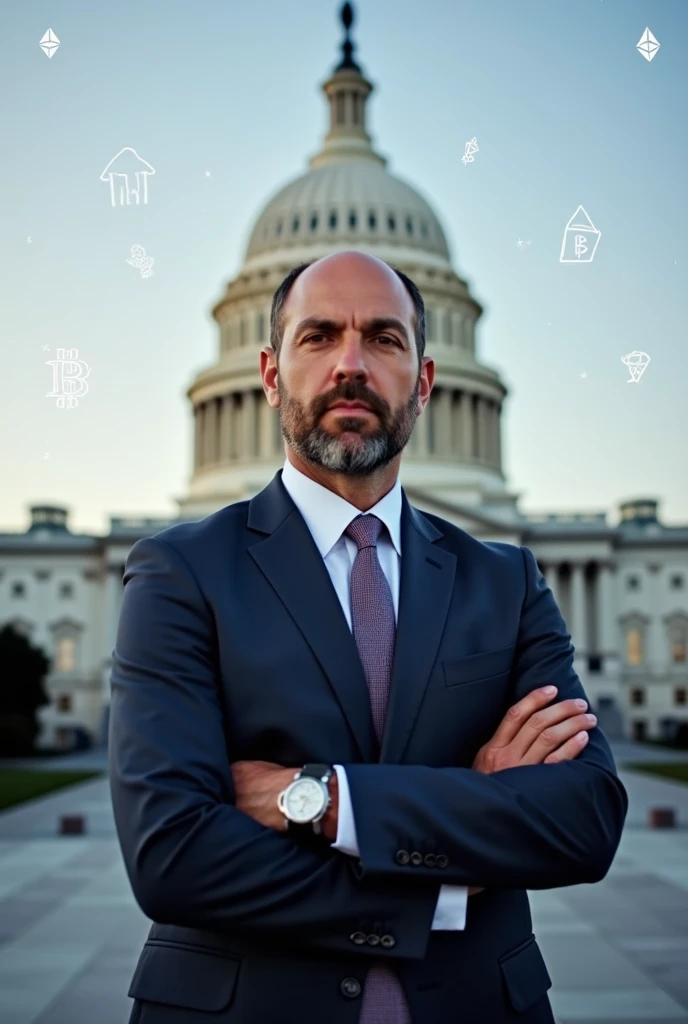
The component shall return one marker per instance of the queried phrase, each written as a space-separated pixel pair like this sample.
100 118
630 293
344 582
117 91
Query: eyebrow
374 326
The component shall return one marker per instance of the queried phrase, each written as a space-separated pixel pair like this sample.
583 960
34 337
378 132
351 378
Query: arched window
409 226
391 222
333 220
352 219
295 224
372 221
314 222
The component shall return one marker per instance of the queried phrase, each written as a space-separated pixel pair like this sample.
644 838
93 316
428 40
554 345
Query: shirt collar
327 515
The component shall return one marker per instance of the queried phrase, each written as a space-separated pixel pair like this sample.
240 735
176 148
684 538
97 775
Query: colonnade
457 425
584 593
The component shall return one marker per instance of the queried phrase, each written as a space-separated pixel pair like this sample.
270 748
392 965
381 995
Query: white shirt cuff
450 912
346 841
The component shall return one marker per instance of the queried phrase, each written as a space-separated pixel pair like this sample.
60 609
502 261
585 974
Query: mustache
350 393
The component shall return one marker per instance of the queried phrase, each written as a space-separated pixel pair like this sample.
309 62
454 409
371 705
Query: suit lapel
427 584
292 564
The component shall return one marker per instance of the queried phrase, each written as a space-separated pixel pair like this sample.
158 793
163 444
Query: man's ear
268 375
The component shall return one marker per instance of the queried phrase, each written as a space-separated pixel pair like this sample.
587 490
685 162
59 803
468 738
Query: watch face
304 800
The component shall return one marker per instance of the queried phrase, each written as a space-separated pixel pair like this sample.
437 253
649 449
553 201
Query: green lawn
677 770
17 785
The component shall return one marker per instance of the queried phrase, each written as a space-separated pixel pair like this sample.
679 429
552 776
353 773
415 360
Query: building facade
623 589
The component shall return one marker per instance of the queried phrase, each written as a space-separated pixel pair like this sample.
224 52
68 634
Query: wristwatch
305 801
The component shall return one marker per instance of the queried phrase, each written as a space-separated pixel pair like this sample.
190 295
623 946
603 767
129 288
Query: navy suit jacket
232 646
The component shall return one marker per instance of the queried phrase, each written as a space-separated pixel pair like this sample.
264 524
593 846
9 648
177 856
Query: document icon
581 238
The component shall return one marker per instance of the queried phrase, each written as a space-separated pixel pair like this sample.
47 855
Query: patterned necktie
374 628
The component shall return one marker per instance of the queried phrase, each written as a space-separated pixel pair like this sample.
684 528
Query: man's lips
352 406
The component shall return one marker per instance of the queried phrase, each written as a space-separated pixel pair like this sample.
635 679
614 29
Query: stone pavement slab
71 932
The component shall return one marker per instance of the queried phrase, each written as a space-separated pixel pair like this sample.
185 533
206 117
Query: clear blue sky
565 111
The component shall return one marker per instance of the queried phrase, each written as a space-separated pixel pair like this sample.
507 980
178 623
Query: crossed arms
194 859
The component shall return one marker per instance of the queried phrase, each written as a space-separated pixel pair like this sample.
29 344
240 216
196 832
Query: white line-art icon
637 365
123 169
581 239
521 243
49 43
471 148
68 373
140 260
584 375
647 45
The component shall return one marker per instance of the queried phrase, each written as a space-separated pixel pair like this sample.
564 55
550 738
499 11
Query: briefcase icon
581 239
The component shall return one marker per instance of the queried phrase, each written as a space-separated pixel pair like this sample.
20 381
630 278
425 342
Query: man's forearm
534 827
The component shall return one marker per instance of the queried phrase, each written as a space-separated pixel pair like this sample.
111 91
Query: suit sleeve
192 858
532 827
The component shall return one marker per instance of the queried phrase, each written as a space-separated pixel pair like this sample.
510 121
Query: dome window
391 222
295 225
424 229
372 221
409 226
333 220
314 222
352 219
279 227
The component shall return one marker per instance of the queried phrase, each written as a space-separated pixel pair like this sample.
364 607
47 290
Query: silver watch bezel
327 799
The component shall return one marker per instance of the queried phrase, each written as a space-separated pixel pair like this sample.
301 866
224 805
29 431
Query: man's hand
259 783
531 733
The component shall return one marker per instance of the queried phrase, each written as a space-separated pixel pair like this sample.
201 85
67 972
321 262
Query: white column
443 422
225 426
199 418
552 576
247 425
498 438
606 612
210 432
657 643
467 425
578 627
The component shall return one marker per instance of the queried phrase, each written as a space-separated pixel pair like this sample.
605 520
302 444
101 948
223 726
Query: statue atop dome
347 61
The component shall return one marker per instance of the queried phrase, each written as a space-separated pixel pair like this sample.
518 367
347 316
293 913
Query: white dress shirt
327 516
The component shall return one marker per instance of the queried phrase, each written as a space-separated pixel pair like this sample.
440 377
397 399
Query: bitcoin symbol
580 247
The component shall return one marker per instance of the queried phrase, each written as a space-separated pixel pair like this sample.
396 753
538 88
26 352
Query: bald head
348 279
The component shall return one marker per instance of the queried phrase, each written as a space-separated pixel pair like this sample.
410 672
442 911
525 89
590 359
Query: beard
360 455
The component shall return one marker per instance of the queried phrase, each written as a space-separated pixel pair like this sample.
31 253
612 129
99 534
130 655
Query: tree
23 668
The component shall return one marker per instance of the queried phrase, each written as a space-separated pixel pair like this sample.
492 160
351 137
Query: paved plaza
71 933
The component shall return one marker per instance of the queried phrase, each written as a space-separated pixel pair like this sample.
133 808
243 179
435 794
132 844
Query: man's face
349 338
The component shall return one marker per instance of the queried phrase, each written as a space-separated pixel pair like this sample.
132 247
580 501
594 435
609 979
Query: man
327 627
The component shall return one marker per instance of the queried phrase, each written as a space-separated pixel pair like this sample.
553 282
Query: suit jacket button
358 937
416 858
430 860
373 940
402 857
388 941
442 860
351 988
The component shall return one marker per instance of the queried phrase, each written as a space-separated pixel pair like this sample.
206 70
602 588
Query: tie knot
364 530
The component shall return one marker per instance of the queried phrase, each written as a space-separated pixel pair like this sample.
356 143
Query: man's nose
350 363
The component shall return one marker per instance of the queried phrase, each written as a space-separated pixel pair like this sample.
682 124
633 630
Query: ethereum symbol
648 45
637 364
49 43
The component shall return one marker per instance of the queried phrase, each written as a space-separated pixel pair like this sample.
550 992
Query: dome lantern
347 91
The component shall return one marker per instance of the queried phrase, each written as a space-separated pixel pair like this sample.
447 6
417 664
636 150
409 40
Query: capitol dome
348 199
356 199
